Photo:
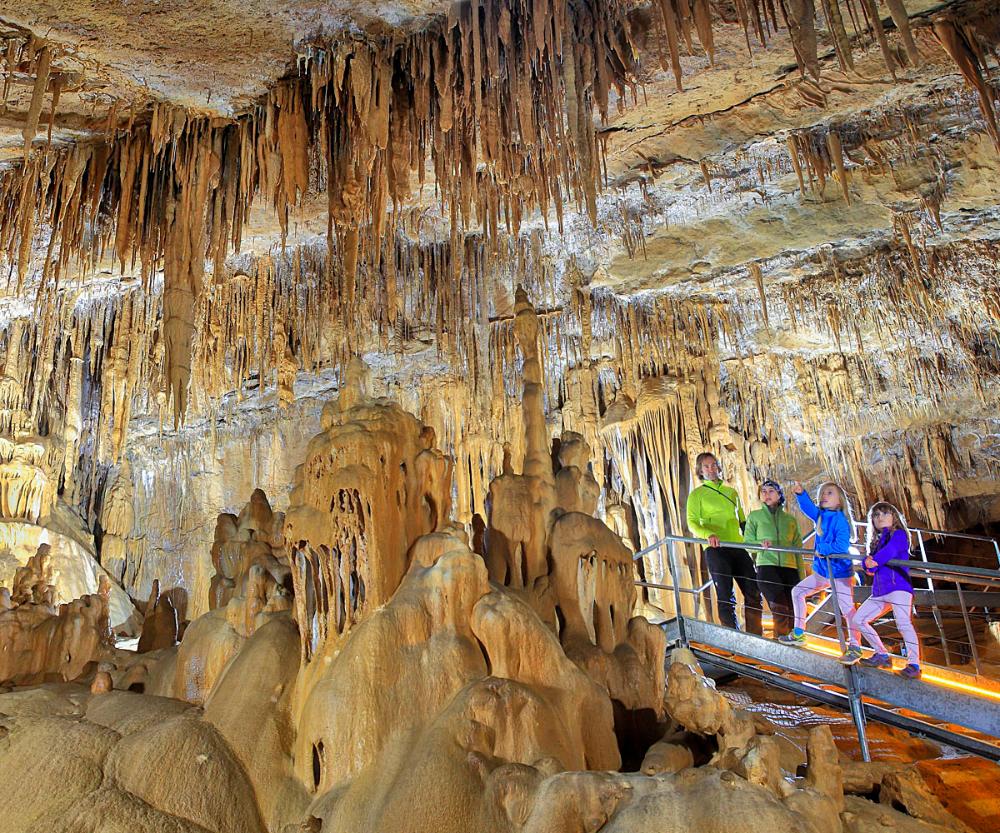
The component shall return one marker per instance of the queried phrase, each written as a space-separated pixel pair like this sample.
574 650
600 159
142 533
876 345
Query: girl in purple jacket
888 540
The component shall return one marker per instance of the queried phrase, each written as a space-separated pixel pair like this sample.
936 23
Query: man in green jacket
714 512
777 571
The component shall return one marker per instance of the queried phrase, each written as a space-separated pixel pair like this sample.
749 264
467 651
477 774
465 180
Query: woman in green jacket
777 572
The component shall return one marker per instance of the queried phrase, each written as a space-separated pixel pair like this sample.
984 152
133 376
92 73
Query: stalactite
958 42
836 152
43 61
802 26
902 20
835 22
875 23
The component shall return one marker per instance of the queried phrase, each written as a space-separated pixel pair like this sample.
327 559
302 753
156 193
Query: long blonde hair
845 508
898 522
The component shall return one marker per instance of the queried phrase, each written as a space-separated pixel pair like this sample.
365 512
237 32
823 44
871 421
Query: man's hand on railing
713 540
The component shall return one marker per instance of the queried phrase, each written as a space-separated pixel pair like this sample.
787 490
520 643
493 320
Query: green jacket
715 509
779 528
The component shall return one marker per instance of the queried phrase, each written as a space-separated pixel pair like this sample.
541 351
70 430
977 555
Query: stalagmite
159 625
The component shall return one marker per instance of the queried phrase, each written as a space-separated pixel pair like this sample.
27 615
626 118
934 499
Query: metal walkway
961 710
868 694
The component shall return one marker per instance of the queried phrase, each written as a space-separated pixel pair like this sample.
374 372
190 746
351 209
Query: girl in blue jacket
834 536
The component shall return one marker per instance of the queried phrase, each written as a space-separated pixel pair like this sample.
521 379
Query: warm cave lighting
353 356
928 675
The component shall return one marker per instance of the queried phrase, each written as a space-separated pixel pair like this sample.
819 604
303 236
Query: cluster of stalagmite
248 555
252 586
39 638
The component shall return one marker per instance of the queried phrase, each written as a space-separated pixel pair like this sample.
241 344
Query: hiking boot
911 671
851 655
795 637
877 661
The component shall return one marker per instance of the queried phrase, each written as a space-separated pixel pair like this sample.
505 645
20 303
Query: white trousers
901 603
843 590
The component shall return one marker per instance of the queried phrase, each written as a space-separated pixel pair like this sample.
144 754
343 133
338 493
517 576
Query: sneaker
795 637
877 661
851 655
911 671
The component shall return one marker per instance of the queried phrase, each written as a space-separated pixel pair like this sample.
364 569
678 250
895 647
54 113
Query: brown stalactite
43 62
902 20
875 21
957 42
802 26
836 152
835 20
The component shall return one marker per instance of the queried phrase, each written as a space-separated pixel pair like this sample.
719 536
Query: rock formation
372 483
160 625
38 637
252 539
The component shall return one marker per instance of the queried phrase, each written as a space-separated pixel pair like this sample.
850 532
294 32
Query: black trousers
727 564
776 585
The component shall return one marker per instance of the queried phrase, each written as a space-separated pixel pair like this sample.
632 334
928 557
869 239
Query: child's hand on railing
766 544
713 540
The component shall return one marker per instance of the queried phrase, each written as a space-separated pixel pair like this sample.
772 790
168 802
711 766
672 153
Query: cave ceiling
676 184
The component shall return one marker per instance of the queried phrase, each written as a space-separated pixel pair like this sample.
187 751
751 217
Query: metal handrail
944 572
929 567
942 532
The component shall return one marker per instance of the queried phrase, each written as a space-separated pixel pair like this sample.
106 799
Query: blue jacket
888 548
834 537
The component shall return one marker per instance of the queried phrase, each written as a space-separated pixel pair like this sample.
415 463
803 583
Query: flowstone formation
372 483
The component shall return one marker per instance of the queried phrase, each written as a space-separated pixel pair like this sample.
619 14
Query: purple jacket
888 548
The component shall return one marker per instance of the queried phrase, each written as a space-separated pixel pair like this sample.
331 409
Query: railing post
935 610
851 673
674 578
858 711
968 628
